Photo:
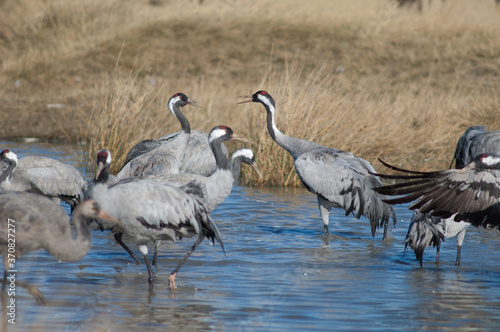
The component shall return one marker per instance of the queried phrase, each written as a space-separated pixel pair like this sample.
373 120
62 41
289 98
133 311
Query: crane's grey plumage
160 158
426 230
474 141
150 211
218 185
44 176
198 157
40 223
338 178
470 194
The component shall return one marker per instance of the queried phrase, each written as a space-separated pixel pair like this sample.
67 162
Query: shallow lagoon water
280 274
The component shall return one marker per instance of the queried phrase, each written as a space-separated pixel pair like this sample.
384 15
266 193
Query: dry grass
363 76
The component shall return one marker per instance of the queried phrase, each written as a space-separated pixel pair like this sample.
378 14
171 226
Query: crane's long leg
155 255
31 289
324 211
438 246
171 277
144 250
460 240
118 239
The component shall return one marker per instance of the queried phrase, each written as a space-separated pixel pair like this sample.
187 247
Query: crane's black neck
236 167
221 161
186 127
9 170
104 175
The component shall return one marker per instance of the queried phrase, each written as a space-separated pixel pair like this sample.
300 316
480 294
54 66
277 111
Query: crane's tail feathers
211 231
423 231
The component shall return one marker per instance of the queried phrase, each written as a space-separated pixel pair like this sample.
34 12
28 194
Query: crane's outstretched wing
472 193
345 181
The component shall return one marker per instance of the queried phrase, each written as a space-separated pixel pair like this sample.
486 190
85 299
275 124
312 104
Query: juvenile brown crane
36 222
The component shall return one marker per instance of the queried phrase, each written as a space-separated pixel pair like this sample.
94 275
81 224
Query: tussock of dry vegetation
364 76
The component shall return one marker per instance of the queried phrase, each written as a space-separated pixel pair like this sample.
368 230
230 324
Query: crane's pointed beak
238 137
104 216
192 102
250 100
254 166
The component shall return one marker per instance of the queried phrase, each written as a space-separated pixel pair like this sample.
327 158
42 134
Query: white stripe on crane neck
243 152
171 104
216 133
490 160
12 156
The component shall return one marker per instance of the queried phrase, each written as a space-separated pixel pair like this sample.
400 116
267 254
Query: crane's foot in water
326 234
171 281
37 295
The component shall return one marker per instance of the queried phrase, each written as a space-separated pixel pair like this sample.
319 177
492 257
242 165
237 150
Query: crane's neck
69 249
103 175
236 167
294 146
176 111
221 161
12 166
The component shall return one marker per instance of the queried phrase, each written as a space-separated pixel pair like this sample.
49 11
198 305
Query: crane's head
90 209
8 155
487 160
180 100
247 156
262 97
103 162
224 133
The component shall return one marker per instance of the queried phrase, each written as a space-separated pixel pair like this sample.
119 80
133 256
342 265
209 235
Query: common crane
150 211
218 185
44 176
40 223
470 194
474 141
154 157
338 178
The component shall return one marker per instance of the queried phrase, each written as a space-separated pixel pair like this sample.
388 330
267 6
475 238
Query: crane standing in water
338 178
39 223
426 230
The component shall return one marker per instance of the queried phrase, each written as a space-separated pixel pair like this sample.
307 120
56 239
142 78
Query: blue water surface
279 274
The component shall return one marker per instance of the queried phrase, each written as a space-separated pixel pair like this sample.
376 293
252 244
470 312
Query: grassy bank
364 76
